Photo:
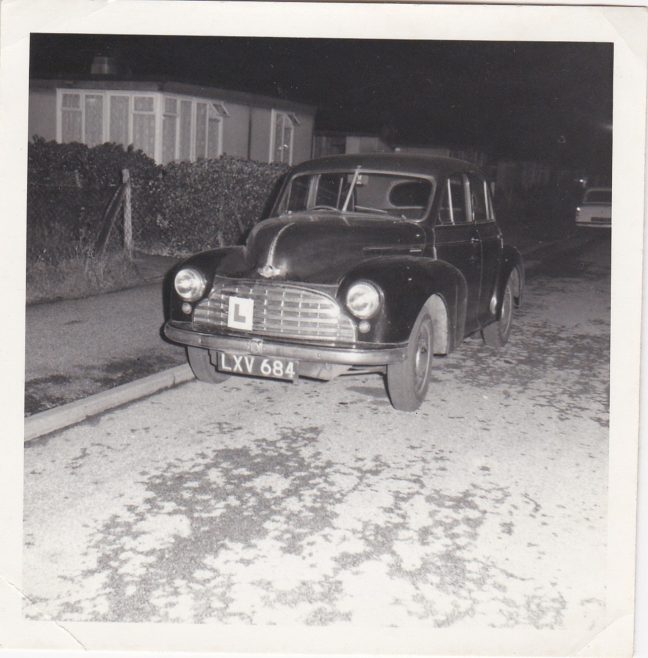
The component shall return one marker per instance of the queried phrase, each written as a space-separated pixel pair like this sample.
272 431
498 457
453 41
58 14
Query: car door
457 241
491 243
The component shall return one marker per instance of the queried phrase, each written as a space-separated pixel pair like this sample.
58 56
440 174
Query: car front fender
407 283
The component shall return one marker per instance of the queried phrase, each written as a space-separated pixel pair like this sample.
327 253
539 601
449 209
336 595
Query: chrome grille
279 310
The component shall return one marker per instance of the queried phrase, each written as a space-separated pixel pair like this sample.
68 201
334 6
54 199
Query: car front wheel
497 333
407 381
203 369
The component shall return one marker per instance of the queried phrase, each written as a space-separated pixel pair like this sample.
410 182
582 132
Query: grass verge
77 277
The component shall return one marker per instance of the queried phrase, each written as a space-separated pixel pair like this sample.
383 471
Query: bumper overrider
181 332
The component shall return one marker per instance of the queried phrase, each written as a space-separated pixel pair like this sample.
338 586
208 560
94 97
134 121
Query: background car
595 210
367 263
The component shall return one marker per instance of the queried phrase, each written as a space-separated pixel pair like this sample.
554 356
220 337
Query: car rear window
598 196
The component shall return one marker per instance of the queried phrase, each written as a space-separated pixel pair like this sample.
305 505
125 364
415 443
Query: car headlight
190 284
363 300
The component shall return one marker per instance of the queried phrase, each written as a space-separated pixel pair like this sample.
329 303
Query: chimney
104 65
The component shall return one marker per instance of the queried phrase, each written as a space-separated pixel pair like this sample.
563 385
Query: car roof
426 165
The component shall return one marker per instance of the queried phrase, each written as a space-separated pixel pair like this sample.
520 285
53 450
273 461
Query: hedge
205 204
176 209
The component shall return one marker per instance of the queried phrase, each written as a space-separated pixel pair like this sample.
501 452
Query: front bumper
377 356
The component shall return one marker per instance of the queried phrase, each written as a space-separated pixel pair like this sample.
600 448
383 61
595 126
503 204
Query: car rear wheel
407 381
497 334
202 367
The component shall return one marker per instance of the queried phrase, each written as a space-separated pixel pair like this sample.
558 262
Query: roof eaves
172 86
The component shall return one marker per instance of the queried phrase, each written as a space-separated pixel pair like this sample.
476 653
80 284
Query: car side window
478 199
445 208
458 199
452 209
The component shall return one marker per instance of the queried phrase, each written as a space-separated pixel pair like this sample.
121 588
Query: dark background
544 101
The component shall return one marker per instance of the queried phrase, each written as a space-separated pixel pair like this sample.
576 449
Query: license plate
257 366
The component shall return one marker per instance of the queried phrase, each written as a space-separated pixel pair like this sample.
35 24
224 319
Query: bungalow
171 121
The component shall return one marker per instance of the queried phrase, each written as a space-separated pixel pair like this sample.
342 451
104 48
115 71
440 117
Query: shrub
205 204
69 187
177 209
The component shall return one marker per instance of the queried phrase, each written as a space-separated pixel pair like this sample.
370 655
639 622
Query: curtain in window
201 130
169 130
93 119
213 136
119 120
144 125
144 133
185 130
71 118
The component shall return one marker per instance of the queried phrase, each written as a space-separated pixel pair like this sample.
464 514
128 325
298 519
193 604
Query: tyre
497 334
407 381
202 367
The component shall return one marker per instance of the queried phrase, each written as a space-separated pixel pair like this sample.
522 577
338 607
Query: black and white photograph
331 326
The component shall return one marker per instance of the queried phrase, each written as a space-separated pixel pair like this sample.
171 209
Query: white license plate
257 366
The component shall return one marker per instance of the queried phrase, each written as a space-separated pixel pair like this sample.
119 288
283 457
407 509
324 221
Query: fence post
128 221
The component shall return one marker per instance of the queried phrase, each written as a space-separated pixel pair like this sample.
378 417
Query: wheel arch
408 285
513 268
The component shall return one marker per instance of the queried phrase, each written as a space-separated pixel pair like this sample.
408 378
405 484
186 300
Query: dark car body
429 253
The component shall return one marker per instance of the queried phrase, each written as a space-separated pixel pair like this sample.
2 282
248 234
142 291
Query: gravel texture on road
312 504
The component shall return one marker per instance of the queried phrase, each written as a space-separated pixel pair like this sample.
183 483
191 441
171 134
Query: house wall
235 130
246 129
303 138
260 134
42 114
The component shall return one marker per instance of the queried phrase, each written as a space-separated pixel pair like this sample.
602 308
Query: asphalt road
261 502
79 347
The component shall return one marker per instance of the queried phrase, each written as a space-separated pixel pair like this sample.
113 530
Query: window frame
490 215
215 110
292 118
466 196
81 93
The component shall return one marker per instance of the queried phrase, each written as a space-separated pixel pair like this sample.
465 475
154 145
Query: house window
119 124
209 129
81 118
169 130
186 111
71 118
144 124
93 129
282 139
166 128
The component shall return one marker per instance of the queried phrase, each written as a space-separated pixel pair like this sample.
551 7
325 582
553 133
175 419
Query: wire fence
67 221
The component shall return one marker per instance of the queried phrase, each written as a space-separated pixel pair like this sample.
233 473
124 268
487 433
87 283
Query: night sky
533 100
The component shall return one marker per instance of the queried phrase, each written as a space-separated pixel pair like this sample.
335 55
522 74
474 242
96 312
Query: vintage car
366 263
595 210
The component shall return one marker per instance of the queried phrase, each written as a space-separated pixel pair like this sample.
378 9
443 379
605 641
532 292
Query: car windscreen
598 196
396 195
